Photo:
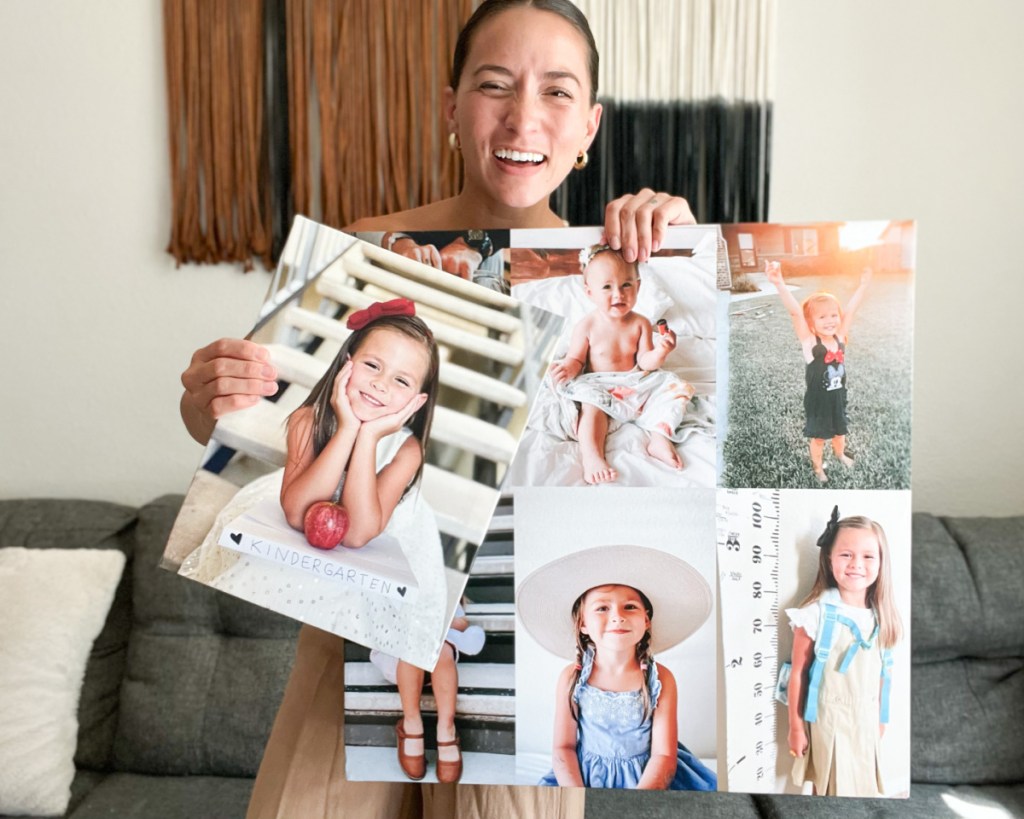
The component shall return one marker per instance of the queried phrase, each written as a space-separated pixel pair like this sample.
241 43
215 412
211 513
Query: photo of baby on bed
630 398
354 499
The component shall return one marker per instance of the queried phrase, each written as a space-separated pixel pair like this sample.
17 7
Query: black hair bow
826 538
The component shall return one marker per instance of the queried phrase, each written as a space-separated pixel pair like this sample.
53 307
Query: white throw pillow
54 604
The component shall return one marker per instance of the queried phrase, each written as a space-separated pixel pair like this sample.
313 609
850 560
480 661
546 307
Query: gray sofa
183 682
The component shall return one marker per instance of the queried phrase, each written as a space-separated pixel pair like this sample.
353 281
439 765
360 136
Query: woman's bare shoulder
436 216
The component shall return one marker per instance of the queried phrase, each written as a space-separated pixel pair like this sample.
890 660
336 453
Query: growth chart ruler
748 572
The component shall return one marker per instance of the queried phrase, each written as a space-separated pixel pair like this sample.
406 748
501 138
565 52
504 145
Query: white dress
412 631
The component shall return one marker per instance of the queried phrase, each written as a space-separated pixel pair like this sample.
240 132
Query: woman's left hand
387 424
636 223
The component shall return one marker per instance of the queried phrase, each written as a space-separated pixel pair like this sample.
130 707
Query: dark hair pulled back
489 8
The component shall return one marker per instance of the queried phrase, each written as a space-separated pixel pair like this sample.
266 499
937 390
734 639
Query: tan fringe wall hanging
364 109
214 53
379 68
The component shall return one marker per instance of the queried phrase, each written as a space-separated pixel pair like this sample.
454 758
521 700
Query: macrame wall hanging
216 123
333 109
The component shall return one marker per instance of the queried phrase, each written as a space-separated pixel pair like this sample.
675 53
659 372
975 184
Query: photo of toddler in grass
834 408
612 369
822 328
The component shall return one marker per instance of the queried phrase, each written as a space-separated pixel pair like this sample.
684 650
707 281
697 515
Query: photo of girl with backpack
839 693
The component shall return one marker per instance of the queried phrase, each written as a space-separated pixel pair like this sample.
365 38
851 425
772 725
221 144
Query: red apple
325 524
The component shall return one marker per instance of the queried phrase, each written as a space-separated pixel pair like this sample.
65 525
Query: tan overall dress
843 754
303 769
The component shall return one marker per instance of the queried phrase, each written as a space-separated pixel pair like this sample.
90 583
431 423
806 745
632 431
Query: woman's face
522 109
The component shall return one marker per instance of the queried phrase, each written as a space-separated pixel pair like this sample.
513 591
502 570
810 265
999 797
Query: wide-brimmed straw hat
679 595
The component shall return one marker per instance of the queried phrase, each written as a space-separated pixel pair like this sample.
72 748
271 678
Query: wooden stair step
484 689
492 566
451 375
422 293
443 333
437 278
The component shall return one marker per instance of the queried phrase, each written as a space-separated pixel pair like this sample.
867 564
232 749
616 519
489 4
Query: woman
522 110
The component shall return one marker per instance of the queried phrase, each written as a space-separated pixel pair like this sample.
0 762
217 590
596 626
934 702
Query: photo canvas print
355 498
820 350
815 591
474 684
616 672
519 694
632 398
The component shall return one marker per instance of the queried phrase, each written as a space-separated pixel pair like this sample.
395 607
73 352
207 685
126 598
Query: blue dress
613 740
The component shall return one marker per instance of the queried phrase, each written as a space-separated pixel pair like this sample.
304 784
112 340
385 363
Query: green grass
765 446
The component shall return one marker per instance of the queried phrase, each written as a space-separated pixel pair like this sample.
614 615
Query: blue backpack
822 648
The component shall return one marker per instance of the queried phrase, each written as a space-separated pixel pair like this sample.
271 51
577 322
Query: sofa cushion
925 802
81 786
205 671
968 646
994 551
71 524
122 794
613 804
966 587
967 720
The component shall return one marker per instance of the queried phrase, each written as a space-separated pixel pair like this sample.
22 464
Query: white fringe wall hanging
686 87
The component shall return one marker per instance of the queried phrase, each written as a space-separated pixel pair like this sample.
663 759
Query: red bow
396 307
836 356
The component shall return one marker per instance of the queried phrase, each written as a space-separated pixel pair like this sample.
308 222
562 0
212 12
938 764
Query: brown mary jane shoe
449 772
414 765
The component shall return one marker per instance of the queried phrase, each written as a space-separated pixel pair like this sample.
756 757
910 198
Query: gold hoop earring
582 158
453 141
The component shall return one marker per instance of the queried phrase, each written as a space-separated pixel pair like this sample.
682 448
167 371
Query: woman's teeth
519 156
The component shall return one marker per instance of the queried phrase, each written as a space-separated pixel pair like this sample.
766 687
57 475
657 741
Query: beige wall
884 109
913 109
96 322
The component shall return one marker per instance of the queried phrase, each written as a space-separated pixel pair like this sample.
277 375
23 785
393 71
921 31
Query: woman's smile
514 158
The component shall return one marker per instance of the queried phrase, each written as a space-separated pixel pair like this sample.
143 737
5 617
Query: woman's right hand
797 740
339 399
773 272
228 375
636 223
